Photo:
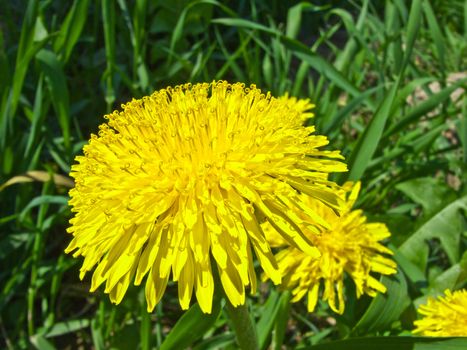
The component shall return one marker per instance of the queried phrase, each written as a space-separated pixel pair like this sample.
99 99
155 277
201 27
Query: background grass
388 78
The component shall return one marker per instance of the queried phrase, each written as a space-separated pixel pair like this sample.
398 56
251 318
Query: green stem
243 325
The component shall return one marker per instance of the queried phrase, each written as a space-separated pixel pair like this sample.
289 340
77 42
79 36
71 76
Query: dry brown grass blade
39 175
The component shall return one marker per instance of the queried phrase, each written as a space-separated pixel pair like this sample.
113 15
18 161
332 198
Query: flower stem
243 325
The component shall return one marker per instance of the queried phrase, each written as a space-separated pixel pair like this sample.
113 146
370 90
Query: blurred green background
388 79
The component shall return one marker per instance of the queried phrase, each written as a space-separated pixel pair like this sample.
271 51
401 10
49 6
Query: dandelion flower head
174 183
445 316
350 245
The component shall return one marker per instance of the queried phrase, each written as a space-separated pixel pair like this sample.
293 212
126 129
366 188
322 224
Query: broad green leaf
412 271
385 308
392 343
444 225
430 193
191 326
452 278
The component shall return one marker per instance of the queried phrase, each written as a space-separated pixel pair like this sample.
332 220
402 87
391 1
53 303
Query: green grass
388 79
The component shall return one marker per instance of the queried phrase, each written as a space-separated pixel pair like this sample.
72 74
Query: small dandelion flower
350 245
177 181
445 316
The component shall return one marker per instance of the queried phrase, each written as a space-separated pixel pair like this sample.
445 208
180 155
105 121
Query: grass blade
423 108
71 29
56 81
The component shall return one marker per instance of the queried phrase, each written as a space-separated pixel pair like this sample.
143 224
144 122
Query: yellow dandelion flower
350 245
445 316
180 177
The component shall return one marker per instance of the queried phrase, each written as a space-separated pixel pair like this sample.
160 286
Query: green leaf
453 278
298 49
266 322
412 271
463 127
321 65
444 225
71 29
45 199
392 343
37 116
221 341
369 140
108 19
282 319
246 24
385 308
192 326
40 343
435 31
97 337
294 17
434 101
66 327
346 111
430 193
273 315
56 81
413 26
4 67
